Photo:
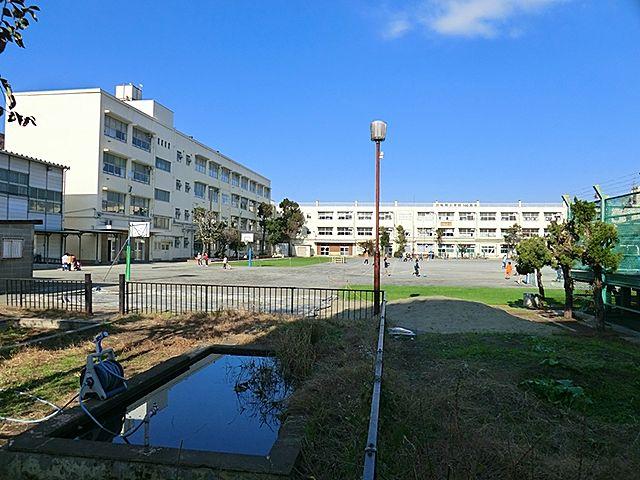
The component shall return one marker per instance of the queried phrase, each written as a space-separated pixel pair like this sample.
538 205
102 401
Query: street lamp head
378 131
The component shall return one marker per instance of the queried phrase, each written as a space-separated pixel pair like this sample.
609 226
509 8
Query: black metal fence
152 297
45 294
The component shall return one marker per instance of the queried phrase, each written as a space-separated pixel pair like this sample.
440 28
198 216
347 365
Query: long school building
339 228
129 163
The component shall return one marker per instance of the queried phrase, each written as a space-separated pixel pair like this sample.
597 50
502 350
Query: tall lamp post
378 134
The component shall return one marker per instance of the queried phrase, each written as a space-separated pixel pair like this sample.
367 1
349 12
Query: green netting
624 213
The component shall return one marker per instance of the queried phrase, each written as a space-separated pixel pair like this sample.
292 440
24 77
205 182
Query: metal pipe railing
371 450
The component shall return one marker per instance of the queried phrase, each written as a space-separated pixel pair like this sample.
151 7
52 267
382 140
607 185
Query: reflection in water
261 390
223 403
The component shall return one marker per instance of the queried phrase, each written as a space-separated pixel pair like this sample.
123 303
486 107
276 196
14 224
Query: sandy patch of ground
444 315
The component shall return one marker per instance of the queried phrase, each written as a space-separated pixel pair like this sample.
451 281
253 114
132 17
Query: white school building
128 163
334 228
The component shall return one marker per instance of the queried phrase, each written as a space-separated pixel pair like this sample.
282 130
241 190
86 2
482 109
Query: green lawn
487 295
283 262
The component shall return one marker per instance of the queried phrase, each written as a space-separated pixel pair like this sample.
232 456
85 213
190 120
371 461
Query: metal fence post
121 294
88 294
292 288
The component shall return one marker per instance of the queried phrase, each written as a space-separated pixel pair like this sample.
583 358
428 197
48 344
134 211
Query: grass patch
283 262
486 295
494 406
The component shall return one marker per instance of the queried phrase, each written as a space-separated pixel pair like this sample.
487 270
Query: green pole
127 271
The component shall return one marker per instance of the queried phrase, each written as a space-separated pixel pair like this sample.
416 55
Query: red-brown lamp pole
378 134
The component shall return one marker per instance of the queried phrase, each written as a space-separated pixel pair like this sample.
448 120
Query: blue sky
491 100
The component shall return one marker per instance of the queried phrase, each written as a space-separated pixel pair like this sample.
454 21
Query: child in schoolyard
225 263
386 266
366 258
508 270
205 259
416 268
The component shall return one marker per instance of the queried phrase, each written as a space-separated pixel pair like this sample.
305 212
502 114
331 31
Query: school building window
141 139
162 195
162 164
199 189
467 216
325 215
508 216
365 231
345 231
201 165
113 165
12 247
139 206
163 223
488 232
113 202
345 215
115 128
487 216
365 215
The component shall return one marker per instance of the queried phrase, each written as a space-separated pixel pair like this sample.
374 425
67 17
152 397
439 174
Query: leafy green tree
14 19
462 249
532 254
598 240
265 213
275 231
562 241
401 240
384 240
291 221
512 237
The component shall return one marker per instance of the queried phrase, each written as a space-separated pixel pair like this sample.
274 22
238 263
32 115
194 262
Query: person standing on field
416 268
225 263
508 270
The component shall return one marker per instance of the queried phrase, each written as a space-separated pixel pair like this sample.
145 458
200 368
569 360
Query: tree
206 226
598 240
439 235
531 255
13 20
265 213
232 238
291 220
562 242
462 249
401 240
367 246
512 237
275 231
384 240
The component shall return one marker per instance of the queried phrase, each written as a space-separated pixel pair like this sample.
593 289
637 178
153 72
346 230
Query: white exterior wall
70 130
421 221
